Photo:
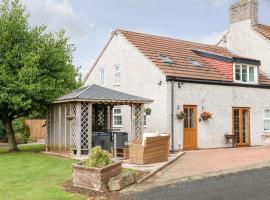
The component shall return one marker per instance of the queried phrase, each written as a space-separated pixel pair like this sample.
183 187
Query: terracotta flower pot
94 178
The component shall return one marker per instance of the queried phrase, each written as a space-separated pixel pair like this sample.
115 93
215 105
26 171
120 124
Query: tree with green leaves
35 66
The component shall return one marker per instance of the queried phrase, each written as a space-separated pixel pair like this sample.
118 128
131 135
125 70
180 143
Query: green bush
98 158
22 129
19 138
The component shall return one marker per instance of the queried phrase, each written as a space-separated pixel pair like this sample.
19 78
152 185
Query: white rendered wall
219 101
138 77
243 40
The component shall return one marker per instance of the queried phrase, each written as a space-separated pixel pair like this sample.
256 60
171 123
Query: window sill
117 126
117 84
245 83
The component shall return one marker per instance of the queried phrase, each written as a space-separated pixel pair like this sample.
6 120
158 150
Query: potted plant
148 111
180 114
95 172
206 115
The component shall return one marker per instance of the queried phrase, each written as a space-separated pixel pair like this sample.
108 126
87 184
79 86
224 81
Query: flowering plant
180 114
206 115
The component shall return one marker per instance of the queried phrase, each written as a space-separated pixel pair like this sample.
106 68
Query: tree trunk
10 135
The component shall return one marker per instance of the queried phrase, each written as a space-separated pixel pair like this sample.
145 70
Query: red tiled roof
181 52
264 30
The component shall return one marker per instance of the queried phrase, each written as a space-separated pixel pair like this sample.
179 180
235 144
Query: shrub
98 158
21 128
19 138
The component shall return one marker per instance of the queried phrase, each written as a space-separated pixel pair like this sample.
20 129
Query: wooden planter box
94 178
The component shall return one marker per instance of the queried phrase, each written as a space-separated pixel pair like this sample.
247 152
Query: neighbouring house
192 78
246 36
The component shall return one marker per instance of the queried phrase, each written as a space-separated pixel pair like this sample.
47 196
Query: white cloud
212 38
57 14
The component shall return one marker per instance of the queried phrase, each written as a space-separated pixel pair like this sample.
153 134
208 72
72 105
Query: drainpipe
172 115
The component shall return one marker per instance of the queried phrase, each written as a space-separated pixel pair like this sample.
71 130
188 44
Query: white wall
243 40
138 77
219 101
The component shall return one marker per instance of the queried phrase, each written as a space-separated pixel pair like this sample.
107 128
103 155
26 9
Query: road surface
247 185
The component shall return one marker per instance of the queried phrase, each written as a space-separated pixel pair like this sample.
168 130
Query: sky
88 23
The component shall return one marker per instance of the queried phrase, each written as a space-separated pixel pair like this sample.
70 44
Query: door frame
240 125
195 117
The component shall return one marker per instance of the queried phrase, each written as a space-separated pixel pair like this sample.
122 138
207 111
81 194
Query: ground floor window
267 120
144 120
117 117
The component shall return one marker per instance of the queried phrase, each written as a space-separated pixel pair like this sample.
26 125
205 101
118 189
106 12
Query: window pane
118 120
237 73
117 111
144 120
267 125
267 114
191 122
186 118
116 68
244 73
117 77
251 74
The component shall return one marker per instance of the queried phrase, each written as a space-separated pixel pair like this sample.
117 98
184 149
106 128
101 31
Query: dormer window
244 73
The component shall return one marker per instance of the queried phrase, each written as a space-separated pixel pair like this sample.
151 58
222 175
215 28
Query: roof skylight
195 62
165 59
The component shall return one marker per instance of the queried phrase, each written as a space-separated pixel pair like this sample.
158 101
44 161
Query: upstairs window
117 75
244 73
102 77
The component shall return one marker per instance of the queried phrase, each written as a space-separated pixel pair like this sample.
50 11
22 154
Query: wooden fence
37 129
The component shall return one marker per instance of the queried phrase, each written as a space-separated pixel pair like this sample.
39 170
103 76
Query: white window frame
144 120
264 119
248 66
117 73
102 76
118 114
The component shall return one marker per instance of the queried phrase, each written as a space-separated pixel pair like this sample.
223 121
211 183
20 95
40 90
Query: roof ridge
170 38
87 87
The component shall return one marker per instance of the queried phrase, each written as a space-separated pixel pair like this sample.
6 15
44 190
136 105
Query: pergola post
137 121
90 129
78 130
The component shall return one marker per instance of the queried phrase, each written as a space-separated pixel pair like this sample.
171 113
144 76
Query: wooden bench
231 139
155 149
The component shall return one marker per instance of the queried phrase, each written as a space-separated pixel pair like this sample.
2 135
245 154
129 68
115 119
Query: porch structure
72 118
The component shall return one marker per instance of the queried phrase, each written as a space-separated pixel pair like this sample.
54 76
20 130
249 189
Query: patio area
203 163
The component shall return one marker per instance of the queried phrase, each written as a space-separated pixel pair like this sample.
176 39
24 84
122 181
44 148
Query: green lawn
33 176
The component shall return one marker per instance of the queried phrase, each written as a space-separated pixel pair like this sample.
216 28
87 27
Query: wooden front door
190 127
241 126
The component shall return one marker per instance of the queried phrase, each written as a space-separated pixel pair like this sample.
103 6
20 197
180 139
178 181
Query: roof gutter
214 82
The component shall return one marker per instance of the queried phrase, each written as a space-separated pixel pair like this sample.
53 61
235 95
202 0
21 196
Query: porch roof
97 94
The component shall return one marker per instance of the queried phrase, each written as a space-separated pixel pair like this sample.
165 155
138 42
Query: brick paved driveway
207 161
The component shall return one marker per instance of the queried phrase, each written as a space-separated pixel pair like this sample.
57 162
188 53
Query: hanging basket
206 115
148 111
180 115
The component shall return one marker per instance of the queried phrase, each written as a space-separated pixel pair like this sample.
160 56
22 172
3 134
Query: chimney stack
245 10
